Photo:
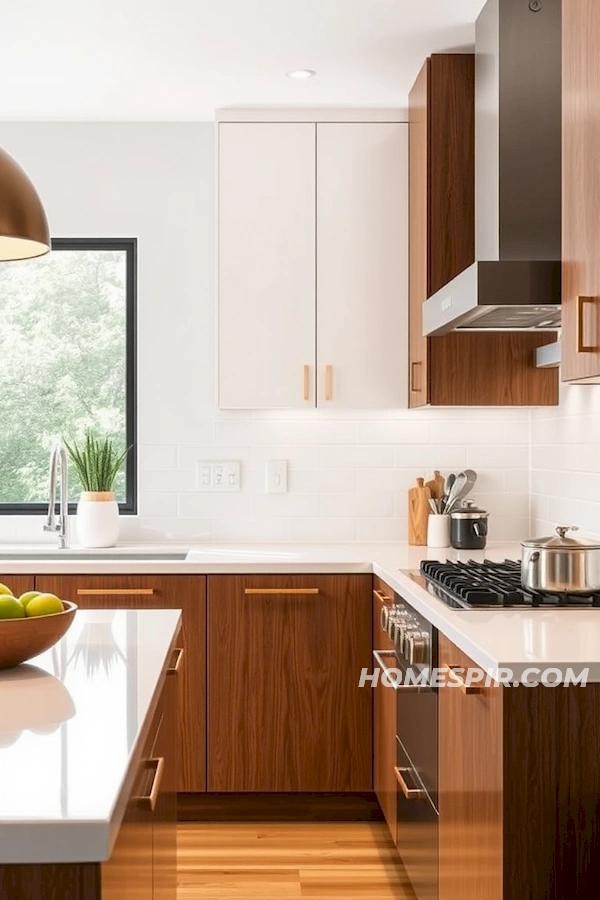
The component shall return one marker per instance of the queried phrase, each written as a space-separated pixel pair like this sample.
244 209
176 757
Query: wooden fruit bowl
22 639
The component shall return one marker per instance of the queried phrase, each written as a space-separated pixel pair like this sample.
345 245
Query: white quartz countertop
495 640
71 729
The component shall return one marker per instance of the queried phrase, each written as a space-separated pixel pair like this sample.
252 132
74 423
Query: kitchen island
88 757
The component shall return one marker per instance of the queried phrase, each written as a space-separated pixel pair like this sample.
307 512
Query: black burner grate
487 585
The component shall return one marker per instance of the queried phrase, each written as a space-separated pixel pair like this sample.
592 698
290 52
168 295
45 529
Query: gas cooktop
490 585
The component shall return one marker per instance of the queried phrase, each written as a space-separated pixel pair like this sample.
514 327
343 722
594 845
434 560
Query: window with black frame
67 364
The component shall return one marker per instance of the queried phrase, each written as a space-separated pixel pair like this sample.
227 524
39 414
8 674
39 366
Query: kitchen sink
58 555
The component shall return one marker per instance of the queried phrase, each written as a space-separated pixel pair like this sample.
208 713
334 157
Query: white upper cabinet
362 265
312 264
266 221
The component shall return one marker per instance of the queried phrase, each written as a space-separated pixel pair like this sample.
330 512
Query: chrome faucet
59 455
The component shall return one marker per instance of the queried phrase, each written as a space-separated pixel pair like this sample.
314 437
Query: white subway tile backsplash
436 455
385 480
266 505
357 457
330 481
203 505
565 461
293 432
249 530
415 430
172 480
190 455
382 530
310 530
160 503
186 530
498 456
158 456
301 456
358 505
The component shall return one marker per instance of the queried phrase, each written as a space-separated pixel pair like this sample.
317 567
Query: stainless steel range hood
515 282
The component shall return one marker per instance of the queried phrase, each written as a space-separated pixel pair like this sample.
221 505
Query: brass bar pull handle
297 592
305 382
114 592
381 597
460 682
413 368
328 382
149 801
175 661
582 347
409 793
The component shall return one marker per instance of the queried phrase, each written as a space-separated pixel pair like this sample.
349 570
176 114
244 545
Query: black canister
468 527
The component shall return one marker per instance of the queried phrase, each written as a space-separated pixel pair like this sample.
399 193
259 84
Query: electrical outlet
218 475
277 476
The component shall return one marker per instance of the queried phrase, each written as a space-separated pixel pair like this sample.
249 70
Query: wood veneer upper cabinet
483 369
384 715
285 712
185 592
470 787
581 191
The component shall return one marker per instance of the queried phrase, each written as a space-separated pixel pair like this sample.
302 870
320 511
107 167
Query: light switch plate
218 475
277 476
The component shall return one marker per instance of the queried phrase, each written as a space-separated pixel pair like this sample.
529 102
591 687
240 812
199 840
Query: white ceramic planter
97 519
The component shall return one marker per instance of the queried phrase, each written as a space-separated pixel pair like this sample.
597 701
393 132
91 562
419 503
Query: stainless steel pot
561 564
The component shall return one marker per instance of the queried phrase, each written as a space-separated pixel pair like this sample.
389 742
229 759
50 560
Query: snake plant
97 462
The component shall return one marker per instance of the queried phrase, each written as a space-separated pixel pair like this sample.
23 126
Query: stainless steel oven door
416 719
417 829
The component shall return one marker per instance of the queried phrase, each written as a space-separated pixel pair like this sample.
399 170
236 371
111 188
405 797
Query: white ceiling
181 59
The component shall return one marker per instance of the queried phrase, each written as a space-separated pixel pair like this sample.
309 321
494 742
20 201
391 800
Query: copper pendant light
23 225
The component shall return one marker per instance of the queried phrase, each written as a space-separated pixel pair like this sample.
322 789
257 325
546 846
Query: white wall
348 472
565 461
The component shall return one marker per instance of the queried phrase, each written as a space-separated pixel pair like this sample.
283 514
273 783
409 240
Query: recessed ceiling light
301 73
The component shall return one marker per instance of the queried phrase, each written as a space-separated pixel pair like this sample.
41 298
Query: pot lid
558 540
468 511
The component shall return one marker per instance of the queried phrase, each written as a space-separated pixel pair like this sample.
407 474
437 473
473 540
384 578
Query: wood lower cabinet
519 782
470 787
580 353
166 746
18 583
384 714
185 592
458 369
285 710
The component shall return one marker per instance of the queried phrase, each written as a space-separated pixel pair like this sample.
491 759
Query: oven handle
409 793
410 688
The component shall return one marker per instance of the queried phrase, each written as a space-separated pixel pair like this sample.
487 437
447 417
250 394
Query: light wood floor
282 861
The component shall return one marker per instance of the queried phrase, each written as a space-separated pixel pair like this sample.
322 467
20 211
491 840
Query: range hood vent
515 282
